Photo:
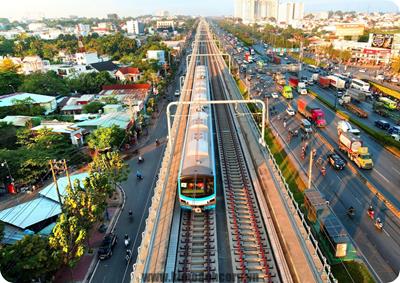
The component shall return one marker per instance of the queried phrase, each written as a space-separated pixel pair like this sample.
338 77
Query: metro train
196 178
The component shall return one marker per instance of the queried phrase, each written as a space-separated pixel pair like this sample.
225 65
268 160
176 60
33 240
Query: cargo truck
287 92
312 112
352 145
301 88
276 60
324 82
353 95
337 82
293 82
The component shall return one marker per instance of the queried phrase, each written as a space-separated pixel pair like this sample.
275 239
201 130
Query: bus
313 69
388 103
359 84
287 92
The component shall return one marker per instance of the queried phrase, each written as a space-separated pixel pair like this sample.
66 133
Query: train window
183 185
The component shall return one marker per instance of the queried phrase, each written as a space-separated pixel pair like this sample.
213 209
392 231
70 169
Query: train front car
196 180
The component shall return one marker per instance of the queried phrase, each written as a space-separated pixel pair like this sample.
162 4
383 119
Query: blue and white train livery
196 179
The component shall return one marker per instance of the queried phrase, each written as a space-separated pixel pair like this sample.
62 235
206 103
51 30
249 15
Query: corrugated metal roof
8 100
120 119
19 121
31 212
51 192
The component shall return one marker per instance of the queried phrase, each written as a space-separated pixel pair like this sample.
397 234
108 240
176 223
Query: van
306 126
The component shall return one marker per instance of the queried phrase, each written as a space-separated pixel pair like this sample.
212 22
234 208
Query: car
274 95
177 92
394 80
362 70
380 77
290 111
107 245
382 124
394 130
396 137
336 161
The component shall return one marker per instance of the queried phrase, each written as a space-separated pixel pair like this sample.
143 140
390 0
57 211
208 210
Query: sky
17 9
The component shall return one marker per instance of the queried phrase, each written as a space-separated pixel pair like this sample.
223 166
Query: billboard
382 40
349 29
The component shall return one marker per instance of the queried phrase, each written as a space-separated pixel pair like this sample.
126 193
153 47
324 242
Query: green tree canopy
93 107
103 138
9 81
29 258
44 83
90 82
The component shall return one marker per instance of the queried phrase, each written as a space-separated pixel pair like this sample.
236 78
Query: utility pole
310 169
267 111
55 181
67 173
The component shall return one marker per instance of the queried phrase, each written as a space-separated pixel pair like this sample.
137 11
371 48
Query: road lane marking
398 172
382 176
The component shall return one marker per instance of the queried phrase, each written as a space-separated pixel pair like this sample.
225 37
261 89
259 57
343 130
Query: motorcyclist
378 223
371 211
351 210
157 142
138 174
130 212
140 159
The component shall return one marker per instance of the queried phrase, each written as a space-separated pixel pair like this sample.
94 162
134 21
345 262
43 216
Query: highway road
344 189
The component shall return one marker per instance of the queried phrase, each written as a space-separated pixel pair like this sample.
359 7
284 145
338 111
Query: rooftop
8 100
18 121
57 127
120 119
129 70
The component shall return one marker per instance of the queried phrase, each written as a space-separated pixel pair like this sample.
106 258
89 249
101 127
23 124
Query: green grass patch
352 272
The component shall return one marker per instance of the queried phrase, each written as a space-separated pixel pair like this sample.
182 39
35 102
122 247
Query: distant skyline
17 9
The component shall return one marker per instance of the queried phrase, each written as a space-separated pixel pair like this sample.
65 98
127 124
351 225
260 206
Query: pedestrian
284 124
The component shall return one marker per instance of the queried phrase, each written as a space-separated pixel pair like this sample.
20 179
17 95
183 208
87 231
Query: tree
109 99
44 83
90 82
68 239
9 81
29 258
103 138
8 138
112 165
7 65
92 107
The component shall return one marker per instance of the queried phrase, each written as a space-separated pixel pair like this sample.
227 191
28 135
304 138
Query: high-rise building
251 11
134 27
290 12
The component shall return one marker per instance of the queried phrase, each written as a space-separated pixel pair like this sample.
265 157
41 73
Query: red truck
293 82
312 112
324 82
277 60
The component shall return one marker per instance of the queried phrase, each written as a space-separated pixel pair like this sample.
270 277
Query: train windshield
197 187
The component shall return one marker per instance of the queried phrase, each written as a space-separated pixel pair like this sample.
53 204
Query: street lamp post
5 164
12 88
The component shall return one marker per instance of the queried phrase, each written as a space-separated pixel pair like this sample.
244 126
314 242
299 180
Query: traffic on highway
312 112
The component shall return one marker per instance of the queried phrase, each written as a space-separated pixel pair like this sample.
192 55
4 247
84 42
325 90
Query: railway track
252 256
197 260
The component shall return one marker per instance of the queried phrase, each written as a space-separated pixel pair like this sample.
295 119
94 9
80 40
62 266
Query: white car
274 95
394 80
177 92
396 137
362 70
290 111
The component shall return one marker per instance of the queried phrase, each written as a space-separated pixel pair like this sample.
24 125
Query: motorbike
323 171
139 177
371 214
351 213
140 159
126 242
379 225
128 256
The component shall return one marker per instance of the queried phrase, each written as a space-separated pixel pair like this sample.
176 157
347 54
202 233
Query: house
31 64
158 55
108 66
17 121
48 102
70 71
87 58
72 107
38 215
121 119
75 134
134 95
130 74
112 108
